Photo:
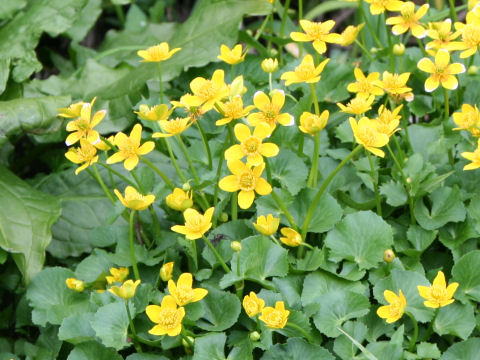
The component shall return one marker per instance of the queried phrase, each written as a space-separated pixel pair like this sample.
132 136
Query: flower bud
179 200
270 65
186 186
374 50
473 70
409 180
75 284
388 256
166 271
223 217
186 344
236 246
399 49
254 336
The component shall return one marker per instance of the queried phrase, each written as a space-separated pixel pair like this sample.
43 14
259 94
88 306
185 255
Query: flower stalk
160 81
132 249
217 255
160 173
374 176
413 340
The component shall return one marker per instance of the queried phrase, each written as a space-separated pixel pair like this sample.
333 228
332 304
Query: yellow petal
185 279
262 130
234 152
278 99
235 166
269 149
146 148
263 187
390 296
450 82
242 132
383 312
440 280
131 162
426 65
245 199
229 183
199 294
153 313
261 101
431 84
451 289
424 291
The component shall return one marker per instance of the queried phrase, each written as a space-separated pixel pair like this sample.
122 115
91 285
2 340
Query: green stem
370 28
160 173
132 327
109 168
132 249
282 29
160 80
156 224
453 12
120 14
156 343
274 239
365 51
217 255
234 205
430 326
390 47
300 330
324 186
284 210
174 161
373 174
445 125
262 27
312 178
187 340
405 123
413 340
422 47
205 145
97 176
270 84
217 177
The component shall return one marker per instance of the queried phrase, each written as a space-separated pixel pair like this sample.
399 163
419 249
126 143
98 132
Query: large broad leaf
466 274
210 347
77 328
455 319
110 323
93 350
26 216
466 350
361 237
219 318
290 170
297 349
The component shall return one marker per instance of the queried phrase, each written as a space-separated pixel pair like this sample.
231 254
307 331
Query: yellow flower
154 113
312 123
349 35
183 293
270 65
379 6
86 155
395 308
366 85
395 84
157 53
73 111
196 224
290 237
129 148
267 225
442 36
233 56
133 199
438 294
252 304
251 145
232 109
247 180
275 318
387 121
208 92
270 110
118 275
468 119
318 32
166 271
167 317
83 126
409 20
358 105
366 134
474 157
173 127
179 200
442 72
305 72
126 291
470 36
75 284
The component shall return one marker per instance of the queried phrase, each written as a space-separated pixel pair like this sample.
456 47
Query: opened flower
366 85
267 225
290 237
126 291
173 127
438 294
166 271
349 35
83 126
395 84
86 155
388 121
247 180
179 200
305 72
442 36
117 275
251 145
133 199
196 224
233 56
270 110
312 123
395 308
129 148
441 71
468 119
75 284
252 304
182 291
318 32
73 111
275 318
167 317
470 36
409 20
232 110
379 6
366 134
208 92
474 157
154 113
157 53
358 105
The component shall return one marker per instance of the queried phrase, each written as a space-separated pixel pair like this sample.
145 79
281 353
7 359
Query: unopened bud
270 65
409 180
166 271
186 186
374 50
75 284
223 217
388 256
399 49
236 246
185 342
254 336
473 70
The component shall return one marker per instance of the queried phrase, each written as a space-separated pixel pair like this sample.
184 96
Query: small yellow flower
118 275
179 200
270 65
75 284
312 123
251 145
358 105
470 36
157 53
468 119
126 291
395 84
166 271
73 111
409 20
83 126
442 72
173 127
247 180
154 113
366 134
196 224
133 199
252 304
442 36
387 121
167 317
395 308
318 32
438 294
129 148
267 225
183 293
275 318
290 237
233 56
474 157
232 110
207 92
270 110
379 6
305 72
366 85
349 35
388 256
86 155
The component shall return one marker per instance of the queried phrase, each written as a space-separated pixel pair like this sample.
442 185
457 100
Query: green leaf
26 216
110 323
343 346
421 136
290 170
420 238
455 319
336 308
93 350
297 349
464 272
394 192
215 317
465 350
474 210
77 329
210 347
51 299
145 356
447 206
361 237
86 19
8 8
421 105
428 351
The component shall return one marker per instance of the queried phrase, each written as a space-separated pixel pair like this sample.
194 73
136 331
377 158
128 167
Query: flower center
471 35
438 292
195 223
208 90
246 180
368 135
396 308
305 71
169 318
174 126
184 294
251 145
233 109
275 318
316 31
129 148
